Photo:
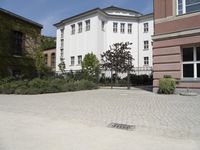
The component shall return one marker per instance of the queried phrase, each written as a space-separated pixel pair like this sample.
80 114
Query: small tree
39 62
90 66
62 65
118 59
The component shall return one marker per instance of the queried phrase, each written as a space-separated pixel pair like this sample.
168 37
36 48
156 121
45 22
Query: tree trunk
128 78
111 79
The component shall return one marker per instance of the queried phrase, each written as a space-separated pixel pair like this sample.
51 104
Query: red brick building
177 42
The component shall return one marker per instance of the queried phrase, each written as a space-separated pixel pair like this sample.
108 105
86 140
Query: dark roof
21 18
97 10
118 8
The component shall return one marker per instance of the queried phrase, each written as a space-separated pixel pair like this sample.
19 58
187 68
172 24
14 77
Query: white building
97 29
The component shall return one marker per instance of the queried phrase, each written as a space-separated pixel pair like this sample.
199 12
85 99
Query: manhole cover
122 126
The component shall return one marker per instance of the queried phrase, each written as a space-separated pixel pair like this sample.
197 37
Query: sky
49 12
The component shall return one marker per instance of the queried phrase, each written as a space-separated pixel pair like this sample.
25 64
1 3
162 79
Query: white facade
99 37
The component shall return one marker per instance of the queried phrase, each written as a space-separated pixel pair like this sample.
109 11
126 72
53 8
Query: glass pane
198 70
198 53
192 1
188 70
188 54
193 8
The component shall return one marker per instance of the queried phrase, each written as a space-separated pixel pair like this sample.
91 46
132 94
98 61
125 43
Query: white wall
145 37
98 41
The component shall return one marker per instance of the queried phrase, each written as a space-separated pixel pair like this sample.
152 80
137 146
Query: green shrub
85 85
38 83
10 87
41 86
167 86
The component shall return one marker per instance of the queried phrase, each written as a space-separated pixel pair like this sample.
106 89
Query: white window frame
146 61
72 60
146 45
194 62
79 59
183 7
80 27
130 28
87 25
115 27
122 27
73 30
146 27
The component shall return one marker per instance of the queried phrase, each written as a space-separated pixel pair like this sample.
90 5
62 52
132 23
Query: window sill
185 14
190 80
145 49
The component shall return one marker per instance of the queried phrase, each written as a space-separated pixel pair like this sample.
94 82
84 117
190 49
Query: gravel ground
59 121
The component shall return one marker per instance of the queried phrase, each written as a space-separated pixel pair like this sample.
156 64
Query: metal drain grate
122 126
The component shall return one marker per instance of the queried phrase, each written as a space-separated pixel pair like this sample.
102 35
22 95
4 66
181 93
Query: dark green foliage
48 42
141 79
24 63
135 80
41 86
167 86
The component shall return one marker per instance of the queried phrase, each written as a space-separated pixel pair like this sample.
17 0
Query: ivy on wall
32 38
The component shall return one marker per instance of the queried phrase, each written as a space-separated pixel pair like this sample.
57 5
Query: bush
135 80
167 86
40 86
85 85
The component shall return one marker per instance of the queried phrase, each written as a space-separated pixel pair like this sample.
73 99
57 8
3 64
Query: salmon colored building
176 44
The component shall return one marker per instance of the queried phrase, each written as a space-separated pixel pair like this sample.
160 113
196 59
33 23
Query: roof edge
75 16
21 18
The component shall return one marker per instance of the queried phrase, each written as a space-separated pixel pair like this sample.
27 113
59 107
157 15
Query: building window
73 29
146 45
72 60
62 44
146 61
79 60
17 43
115 27
191 62
103 25
80 27
46 59
129 28
53 60
146 27
187 6
122 26
62 33
87 22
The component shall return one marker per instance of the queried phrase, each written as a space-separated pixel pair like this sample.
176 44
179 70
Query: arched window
53 60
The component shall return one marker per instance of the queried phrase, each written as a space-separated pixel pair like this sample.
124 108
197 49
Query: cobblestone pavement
171 116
